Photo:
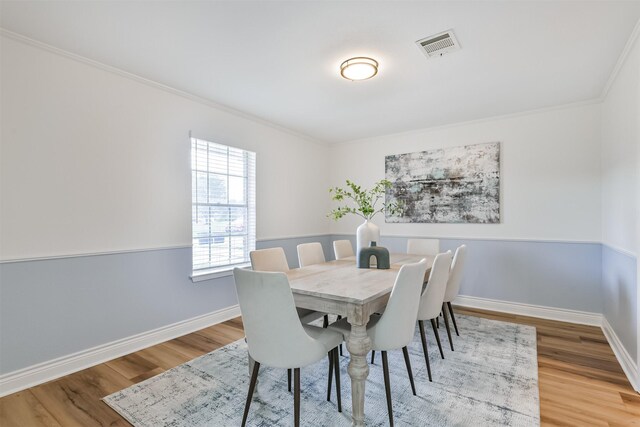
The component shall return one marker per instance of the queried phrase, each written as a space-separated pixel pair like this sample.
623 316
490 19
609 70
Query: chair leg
407 362
296 397
435 332
373 356
453 318
438 322
252 386
339 318
289 379
446 324
336 363
424 348
387 386
325 323
329 378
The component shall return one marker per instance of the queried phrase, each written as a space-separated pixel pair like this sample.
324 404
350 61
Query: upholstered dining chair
431 302
423 246
342 249
275 335
453 287
394 328
275 260
310 253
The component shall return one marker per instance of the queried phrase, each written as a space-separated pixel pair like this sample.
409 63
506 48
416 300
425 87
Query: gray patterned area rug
491 379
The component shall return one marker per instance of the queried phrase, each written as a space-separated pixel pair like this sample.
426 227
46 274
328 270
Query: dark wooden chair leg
438 322
446 324
296 397
330 354
435 331
407 362
252 386
387 386
373 356
453 318
336 363
325 323
424 347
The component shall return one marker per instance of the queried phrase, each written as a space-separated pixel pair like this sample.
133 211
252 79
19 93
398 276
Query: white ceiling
280 60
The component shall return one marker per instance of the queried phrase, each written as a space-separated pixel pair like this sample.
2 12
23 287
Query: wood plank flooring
580 380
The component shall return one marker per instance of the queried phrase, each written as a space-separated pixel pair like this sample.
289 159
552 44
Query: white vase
367 232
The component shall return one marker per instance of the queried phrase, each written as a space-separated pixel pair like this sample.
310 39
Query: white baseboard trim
626 361
551 313
37 374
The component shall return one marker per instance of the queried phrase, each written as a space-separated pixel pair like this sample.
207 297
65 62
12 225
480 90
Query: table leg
359 346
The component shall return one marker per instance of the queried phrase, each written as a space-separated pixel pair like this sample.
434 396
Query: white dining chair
271 259
431 302
310 253
342 249
423 246
275 260
453 286
394 328
275 335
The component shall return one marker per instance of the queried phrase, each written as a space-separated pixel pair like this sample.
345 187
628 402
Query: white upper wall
621 156
91 161
550 174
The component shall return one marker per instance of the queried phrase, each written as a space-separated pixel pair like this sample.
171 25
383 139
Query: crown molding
152 83
621 60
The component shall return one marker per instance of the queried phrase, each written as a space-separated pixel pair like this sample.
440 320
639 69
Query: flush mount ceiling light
359 68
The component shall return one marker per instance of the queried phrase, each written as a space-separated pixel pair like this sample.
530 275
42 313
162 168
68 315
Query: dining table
341 288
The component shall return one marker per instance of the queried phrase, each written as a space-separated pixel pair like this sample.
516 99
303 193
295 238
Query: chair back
455 276
423 246
396 327
433 296
272 259
274 333
342 249
310 253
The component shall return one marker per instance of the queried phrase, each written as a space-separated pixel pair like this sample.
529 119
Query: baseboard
551 313
626 361
65 365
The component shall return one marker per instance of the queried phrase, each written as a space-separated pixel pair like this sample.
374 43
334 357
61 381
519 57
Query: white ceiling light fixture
359 68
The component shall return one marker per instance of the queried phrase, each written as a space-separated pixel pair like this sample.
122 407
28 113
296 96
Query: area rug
491 379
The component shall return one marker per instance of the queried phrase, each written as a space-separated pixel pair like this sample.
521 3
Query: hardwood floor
580 380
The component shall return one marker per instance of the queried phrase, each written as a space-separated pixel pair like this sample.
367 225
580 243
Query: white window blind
223 205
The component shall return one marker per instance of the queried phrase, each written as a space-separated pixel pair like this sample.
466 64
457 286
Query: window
223 205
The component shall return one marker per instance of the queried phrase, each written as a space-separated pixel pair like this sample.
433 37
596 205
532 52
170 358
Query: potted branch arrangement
366 204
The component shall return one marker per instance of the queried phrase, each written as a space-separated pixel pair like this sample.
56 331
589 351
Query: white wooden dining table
339 287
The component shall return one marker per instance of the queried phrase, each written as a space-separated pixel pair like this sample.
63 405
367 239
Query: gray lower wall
52 308
551 274
620 287
55 307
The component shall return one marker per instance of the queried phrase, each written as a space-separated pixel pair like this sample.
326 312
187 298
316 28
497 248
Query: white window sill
216 273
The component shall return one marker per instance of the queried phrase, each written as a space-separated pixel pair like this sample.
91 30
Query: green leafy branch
365 201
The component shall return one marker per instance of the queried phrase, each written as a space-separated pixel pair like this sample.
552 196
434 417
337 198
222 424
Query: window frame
248 207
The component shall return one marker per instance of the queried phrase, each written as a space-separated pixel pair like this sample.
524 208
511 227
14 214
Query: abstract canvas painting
447 185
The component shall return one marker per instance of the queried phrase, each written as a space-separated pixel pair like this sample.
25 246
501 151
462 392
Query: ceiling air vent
439 44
